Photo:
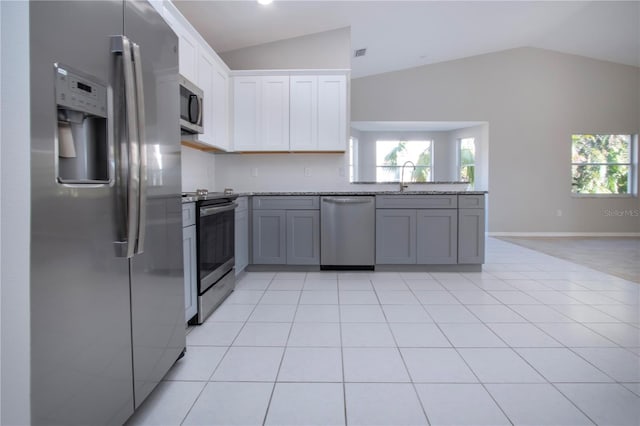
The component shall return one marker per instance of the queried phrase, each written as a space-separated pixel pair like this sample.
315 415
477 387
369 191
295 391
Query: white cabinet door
205 82
220 103
332 113
246 118
187 43
303 125
261 113
275 113
190 271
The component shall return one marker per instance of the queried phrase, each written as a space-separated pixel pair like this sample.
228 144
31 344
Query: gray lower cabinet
269 237
286 237
395 236
286 230
437 235
189 247
471 236
416 236
242 235
417 229
303 237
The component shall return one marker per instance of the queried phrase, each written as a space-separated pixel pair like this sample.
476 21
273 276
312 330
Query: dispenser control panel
80 93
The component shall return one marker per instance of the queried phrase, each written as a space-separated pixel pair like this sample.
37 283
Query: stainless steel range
215 228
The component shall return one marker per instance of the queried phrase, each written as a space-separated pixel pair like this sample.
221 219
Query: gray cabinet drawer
291 202
471 201
188 214
416 201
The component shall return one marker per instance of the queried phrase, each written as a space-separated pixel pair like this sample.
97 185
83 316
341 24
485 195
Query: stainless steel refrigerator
107 303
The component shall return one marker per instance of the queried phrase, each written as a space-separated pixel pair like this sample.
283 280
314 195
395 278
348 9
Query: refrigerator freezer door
157 288
81 370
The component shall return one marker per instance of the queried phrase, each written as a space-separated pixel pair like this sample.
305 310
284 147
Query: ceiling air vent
360 52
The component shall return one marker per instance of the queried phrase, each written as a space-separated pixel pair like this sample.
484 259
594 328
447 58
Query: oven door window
216 247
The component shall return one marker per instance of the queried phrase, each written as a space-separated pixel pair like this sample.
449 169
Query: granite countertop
194 198
355 193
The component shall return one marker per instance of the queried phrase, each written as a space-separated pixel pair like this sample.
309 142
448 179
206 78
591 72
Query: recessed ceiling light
265 2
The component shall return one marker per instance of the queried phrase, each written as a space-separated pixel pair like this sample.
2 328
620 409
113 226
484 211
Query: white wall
326 50
197 170
533 100
281 172
15 205
286 172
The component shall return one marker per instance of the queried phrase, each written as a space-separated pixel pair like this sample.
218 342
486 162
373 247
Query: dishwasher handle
352 200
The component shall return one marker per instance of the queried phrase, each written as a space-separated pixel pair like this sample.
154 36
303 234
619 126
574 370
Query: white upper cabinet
332 113
187 41
275 113
318 113
246 96
288 110
261 113
199 63
220 104
301 112
303 125
206 69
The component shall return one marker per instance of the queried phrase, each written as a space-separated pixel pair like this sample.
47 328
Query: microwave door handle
133 183
200 105
142 166
192 98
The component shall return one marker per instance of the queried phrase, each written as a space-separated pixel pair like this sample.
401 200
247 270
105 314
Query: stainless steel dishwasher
347 232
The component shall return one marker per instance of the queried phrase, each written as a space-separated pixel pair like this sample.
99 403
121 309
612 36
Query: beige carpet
616 256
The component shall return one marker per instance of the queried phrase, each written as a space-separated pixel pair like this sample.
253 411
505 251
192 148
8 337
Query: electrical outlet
254 172
307 171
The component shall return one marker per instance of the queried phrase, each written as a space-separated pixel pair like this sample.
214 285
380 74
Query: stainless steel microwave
191 103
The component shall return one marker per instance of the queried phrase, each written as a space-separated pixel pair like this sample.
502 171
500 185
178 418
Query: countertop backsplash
197 170
258 173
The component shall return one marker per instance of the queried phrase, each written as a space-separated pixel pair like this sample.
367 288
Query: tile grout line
344 385
397 348
473 372
219 362
284 351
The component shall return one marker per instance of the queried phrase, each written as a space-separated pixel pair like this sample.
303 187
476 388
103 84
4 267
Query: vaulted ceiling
404 34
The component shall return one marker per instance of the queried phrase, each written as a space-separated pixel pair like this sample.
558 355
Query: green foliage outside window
601 164
396 153
467 160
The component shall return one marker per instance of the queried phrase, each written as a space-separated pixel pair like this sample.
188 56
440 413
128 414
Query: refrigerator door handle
122 45
142 169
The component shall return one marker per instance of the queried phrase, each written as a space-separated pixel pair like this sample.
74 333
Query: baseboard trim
563 234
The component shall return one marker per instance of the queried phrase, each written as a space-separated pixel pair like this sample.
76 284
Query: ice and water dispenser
82 139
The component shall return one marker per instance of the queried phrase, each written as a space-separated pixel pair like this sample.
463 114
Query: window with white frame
391 155
353 158
602 164
467 159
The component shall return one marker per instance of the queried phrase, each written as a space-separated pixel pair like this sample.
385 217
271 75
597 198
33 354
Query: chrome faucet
402 185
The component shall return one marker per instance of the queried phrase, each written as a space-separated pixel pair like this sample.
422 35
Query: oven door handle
208 211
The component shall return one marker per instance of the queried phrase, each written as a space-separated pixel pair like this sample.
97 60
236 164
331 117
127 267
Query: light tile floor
532 339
